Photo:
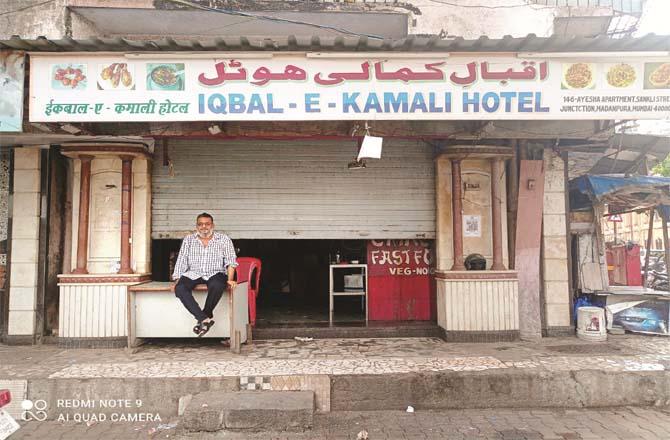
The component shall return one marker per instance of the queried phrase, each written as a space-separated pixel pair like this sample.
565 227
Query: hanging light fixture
357 163
369 147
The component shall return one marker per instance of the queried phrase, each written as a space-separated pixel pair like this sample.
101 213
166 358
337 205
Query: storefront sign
11 90
400 257
323 87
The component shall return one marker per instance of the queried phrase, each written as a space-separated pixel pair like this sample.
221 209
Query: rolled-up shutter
294 189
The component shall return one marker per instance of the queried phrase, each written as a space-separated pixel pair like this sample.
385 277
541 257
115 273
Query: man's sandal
204 328
197 328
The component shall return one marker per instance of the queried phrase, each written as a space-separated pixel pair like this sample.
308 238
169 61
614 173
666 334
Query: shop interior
294 282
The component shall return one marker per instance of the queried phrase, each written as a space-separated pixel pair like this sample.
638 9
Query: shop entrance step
348 330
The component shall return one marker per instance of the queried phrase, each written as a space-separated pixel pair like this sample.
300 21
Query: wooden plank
647 254
528 243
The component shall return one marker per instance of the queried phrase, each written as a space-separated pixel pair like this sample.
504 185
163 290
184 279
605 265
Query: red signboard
400 282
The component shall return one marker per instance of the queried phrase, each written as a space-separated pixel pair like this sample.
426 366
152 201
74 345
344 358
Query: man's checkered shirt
197 261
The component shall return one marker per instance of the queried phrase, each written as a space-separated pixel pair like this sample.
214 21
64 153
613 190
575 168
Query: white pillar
554 242
24 242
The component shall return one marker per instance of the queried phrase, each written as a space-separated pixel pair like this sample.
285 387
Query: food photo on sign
165 76
116 76
621 75
578 76
657 76
68 77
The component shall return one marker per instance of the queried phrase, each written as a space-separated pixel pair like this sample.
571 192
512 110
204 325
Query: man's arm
229 256
230 262
181 266
231 278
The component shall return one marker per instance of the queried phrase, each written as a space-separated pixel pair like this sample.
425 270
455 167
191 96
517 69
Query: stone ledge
489 275
114 342
111 278
555 332
480 336
249 410
20 339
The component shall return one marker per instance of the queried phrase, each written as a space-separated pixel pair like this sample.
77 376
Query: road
626 423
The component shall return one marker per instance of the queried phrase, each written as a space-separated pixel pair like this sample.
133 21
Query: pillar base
20 339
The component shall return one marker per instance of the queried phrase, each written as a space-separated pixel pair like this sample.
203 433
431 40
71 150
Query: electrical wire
534 6
271 18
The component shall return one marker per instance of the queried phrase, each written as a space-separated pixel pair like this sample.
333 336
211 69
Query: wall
471 23
460 18
554 245
41 19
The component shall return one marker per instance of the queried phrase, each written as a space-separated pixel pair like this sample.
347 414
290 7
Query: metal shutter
294 189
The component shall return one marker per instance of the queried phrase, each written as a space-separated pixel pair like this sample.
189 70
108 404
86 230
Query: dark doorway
294 277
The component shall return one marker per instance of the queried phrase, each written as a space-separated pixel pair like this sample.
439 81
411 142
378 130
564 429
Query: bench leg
250 337
235 342
134 347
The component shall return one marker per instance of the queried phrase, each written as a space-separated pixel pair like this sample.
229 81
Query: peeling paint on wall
11 90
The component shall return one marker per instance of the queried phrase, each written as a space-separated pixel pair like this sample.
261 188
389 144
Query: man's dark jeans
215 286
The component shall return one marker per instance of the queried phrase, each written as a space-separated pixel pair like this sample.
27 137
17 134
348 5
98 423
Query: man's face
205 227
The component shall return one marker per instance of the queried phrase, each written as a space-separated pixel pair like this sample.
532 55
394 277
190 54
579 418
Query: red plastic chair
249 270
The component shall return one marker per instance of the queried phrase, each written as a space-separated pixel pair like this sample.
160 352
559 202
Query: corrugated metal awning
179 23
624 153
530 43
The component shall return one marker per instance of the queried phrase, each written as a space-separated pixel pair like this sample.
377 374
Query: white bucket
591 324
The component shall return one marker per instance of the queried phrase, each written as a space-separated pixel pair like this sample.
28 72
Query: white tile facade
555 263
25 244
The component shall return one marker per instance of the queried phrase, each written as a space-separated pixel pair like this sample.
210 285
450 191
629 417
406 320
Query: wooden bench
155 312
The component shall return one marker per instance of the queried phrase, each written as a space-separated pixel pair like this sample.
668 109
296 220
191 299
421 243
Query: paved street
607 424
333 356
24 367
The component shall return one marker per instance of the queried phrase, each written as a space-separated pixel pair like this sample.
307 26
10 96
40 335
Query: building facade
99 202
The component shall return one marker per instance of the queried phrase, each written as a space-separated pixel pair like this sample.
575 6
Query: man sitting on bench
205 257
